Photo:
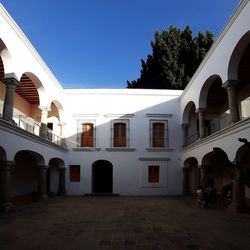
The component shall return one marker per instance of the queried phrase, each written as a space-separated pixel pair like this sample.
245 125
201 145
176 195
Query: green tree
176 54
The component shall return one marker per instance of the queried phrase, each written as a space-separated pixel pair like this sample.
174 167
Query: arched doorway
192 176
102 177
27 177
55 178
217 169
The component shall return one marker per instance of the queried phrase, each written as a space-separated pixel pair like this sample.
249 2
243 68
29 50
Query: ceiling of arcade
27 90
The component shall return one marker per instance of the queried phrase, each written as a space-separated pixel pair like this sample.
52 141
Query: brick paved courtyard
136 223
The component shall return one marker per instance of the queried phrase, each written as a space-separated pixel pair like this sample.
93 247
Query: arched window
120 134
87 135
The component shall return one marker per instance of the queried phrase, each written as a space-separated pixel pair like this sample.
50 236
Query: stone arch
26 183
53 176
238 51
6 58
3 156
205 89
102 177
217 169
192 175
189 121
186 112
54 118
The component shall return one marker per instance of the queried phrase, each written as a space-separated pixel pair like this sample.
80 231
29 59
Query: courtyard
129 223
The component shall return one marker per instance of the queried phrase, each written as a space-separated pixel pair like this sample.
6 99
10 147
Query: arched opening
2 86
102 177
215 99
243 164
26 103
190 119
53 176
243 88
25 177
2 154
217 169
53 124
239 69
193 178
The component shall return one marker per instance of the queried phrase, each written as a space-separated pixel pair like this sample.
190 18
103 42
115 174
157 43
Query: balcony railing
191 139
217 124
32 126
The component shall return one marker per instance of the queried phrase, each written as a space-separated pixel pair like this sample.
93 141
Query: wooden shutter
87 136
153 174
74 173
120 135
158 135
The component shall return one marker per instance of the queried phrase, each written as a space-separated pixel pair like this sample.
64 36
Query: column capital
44 108
43 167
230 83
11 80
200 110
6 165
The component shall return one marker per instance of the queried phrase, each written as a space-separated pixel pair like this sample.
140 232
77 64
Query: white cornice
227 26
28 44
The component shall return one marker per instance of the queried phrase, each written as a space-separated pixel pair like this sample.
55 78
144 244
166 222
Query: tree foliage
176 54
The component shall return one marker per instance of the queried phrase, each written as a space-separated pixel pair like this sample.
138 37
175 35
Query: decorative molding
120 149
119 116
160 149
154 159
159 115
86 115
82 149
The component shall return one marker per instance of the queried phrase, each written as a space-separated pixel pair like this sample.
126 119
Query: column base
7 207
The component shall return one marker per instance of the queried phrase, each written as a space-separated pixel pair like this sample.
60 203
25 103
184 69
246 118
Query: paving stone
137 223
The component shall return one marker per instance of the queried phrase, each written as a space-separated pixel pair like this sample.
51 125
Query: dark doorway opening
102 177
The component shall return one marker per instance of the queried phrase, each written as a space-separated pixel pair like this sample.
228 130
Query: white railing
32 126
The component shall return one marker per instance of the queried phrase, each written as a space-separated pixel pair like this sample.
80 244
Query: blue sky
99 43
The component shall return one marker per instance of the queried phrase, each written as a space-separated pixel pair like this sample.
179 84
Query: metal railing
218 123
191 139
32 126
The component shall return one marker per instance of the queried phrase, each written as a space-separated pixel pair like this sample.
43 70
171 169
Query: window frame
152 134
154 177
126 122
80 124
74 177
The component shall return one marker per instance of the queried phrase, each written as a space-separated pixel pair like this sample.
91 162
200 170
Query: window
153 174
74 173
159 134
120 134
87 135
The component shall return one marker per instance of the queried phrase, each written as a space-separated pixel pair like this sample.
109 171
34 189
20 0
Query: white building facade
121 141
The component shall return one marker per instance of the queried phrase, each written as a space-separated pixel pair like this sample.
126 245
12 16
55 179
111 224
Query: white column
44 118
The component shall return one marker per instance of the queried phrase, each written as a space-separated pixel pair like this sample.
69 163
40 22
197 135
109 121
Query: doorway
102 177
